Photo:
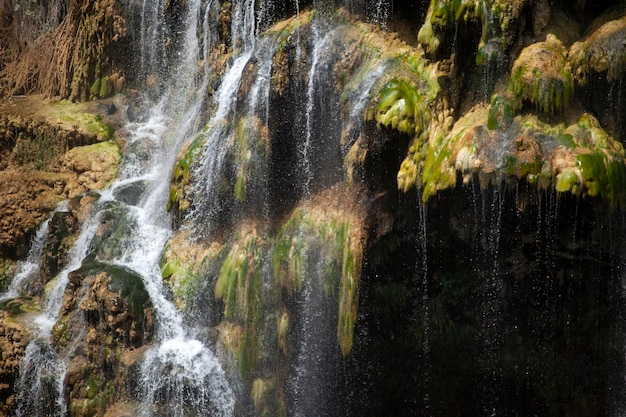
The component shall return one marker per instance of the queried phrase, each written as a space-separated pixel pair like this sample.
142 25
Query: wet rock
602 50
541 75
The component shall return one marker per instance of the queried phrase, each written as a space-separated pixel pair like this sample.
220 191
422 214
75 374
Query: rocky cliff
411 209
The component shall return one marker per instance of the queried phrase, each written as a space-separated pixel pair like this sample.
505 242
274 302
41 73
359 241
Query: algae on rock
239 286
326 235
602 50
542 75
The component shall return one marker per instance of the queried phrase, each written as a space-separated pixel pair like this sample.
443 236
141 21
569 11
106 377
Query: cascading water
474 302
215 144
42 370
179 374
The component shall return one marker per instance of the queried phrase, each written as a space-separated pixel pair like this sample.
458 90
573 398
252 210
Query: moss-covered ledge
50 151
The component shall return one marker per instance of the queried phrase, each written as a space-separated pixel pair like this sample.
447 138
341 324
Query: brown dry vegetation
58 52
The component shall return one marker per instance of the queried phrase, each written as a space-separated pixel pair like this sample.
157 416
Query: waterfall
179 374
215 147
287 271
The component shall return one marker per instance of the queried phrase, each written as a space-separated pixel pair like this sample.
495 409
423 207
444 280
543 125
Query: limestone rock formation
51 151
437 212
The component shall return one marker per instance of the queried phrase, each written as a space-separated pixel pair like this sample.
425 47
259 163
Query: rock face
50 152
424 225
13 341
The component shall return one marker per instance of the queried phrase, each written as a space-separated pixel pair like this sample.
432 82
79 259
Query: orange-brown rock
13 341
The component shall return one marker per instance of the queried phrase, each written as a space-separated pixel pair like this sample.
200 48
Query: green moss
267 400
95 88
327 237
404 104
566 140
501 112
98 393
185 265
567 181
287 256
542 75
404 101
438 173
239 287
603 177
182 279
180 175
398 107
251 138
283 331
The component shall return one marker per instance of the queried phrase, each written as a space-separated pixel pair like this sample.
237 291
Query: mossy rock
541 75
184 266
179 198
75 115
602 51
98 393
62 229
267 400
131 193
493 16
239 286
251 144
7 269
122 281
315 238
596 167
115 232
95 166
404 101
581 159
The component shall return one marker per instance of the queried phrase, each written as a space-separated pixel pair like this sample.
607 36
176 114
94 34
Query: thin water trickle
28 268
359 99
153 32
422 271
320 46
381 13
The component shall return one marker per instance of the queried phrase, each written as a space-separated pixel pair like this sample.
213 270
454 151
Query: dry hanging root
66 62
